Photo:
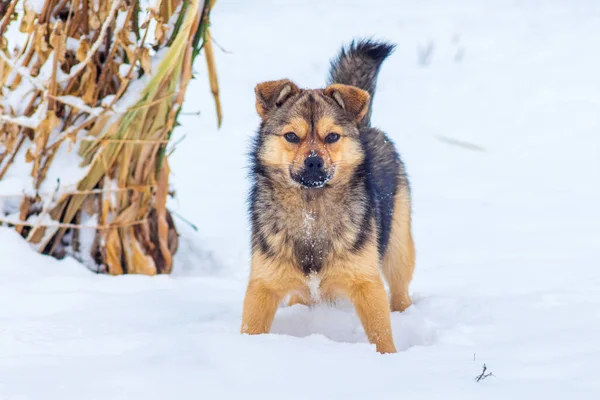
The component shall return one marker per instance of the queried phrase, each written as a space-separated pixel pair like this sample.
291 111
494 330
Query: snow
498 125
36 5
79 104
31 122
18 99
61 177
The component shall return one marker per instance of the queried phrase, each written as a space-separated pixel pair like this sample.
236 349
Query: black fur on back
358 65
260 183
385 174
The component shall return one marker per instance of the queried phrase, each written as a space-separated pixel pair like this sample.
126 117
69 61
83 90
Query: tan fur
297 299
350 98
272 92
297 125
343 153
399 259
327 125
270 281
355 277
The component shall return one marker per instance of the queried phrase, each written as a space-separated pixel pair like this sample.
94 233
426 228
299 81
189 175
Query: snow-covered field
495 107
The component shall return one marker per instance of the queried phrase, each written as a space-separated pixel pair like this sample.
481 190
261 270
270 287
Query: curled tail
358 65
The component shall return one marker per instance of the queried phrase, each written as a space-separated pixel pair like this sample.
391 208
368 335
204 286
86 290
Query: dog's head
310 137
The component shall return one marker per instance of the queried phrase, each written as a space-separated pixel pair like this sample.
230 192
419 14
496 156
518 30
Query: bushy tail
358 65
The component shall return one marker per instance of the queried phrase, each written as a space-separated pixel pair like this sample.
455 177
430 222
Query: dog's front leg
372 306
260 305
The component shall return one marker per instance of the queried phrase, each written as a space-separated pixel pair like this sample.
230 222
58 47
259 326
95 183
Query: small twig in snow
483 375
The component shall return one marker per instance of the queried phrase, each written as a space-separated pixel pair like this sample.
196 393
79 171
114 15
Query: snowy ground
500 130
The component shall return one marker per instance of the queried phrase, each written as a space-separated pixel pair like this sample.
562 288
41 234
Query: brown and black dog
330 202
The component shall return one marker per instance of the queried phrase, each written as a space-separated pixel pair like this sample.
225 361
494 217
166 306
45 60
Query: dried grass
85 99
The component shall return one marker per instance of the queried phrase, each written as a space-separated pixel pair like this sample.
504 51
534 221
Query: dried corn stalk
90 94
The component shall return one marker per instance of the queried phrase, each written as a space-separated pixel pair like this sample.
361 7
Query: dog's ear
352 99
272 94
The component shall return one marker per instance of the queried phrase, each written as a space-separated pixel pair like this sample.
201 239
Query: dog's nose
313 163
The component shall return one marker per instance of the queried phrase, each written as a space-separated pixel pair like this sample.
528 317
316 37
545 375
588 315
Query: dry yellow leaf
138 262
39 62
88 85
94 21
36 234
40 43
112 252
28 156
3 72
57 41
161 33
145 60
28 20
104 9
83 49
161 216
50 122
90 205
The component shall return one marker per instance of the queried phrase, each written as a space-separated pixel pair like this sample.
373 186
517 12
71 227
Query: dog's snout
313 163
314 174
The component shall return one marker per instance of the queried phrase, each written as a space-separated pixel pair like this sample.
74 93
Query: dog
330 202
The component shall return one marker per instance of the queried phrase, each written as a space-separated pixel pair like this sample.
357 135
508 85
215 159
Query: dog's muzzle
313 175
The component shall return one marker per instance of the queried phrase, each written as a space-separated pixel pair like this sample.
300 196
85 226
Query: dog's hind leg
399 258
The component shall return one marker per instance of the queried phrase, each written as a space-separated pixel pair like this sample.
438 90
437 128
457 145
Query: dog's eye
332 138
291 137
